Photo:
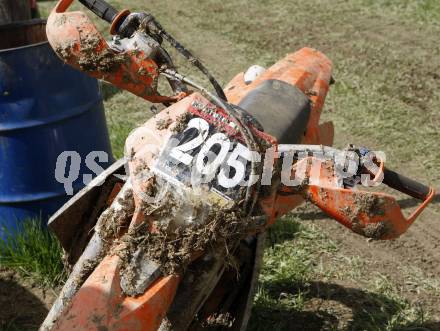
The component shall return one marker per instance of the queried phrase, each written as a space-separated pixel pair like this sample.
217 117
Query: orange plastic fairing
76 40
374 215
101 305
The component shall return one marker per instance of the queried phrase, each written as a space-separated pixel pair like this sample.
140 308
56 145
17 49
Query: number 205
237 159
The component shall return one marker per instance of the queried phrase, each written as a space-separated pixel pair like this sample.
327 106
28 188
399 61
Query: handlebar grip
406 185
101 9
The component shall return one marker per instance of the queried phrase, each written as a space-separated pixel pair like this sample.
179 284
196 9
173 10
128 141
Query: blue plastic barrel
46 108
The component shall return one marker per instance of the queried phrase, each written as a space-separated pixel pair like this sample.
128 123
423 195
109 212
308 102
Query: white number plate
201 153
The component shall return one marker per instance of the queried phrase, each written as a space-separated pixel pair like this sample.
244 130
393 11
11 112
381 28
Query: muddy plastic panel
73 222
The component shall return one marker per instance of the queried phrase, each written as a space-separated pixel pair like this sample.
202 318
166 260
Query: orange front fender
100 304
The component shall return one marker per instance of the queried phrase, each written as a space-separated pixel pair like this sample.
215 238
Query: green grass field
386 59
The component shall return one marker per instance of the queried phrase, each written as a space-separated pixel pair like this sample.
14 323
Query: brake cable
152 26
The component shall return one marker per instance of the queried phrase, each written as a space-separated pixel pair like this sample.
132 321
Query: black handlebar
101 9
406 185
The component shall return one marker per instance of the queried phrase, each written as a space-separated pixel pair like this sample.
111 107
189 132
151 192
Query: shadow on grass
20 309
108 90
312 215
327 303
284 229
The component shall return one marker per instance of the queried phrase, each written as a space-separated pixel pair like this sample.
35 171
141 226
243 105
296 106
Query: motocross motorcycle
171 237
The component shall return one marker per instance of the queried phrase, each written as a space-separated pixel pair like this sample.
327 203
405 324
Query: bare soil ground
24 304
410 264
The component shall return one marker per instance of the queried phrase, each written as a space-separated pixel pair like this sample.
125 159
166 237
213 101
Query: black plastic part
281 108
101 9
406 185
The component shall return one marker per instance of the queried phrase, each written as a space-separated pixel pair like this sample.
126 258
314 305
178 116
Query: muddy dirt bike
171 237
